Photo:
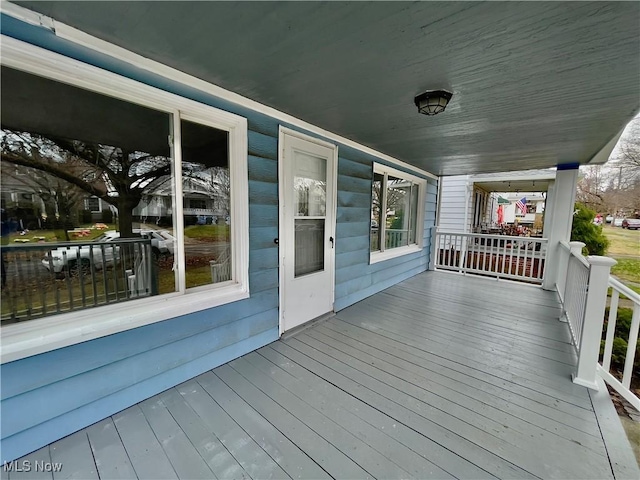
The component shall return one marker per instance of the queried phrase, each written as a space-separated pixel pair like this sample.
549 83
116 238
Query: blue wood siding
356 278
48 396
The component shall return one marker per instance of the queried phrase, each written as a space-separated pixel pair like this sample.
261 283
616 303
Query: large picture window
396 212
171 175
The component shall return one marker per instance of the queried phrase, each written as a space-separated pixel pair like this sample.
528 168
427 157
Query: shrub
107 216
619 351
583 230
190 220
85 216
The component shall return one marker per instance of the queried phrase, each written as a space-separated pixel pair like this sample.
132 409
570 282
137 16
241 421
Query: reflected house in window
204 197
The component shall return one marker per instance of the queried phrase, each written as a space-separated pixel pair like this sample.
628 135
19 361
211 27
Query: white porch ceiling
535 84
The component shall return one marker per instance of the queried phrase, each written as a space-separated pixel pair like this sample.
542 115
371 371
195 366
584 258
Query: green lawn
208 233
623 242
35 236
625 248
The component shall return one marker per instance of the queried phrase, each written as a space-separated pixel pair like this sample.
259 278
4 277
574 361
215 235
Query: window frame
386 254
49 333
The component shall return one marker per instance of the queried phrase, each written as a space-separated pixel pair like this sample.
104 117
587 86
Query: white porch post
564 196
593 321
548 209
433 251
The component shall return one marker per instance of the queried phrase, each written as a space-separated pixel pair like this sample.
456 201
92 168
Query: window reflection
206 190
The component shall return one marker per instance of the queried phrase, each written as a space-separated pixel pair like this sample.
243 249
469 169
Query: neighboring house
469 203
199 200
310 138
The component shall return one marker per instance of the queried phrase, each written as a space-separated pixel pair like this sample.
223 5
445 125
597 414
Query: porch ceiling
535 84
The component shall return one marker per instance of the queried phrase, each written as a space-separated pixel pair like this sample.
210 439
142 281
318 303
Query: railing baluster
533 261
611 330
484 255
500 256
38 286
81 276
123 262
41 288
24 287
92 272
68 279
631 347
105 279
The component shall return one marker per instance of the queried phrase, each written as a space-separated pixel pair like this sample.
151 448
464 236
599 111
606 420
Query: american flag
522 205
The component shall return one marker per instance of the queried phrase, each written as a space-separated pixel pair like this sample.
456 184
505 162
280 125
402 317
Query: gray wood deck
441 376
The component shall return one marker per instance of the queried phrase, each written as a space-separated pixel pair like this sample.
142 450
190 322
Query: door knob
276 241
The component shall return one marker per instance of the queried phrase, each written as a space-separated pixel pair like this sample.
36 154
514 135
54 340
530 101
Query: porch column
564 196
548 209
599 271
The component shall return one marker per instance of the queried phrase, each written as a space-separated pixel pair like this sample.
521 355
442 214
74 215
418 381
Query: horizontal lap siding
356 278
453 205
49 396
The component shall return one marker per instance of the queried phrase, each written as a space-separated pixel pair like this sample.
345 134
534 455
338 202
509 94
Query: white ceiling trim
89 41
605 152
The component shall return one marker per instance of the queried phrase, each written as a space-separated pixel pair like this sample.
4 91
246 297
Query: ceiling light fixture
432 102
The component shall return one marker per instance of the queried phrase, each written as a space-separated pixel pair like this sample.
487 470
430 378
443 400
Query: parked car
162 242
631 223
74 258
617 222
609 218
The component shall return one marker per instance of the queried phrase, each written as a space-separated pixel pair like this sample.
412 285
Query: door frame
282 133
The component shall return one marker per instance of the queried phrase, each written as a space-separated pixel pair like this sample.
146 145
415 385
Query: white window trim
37 336
380 256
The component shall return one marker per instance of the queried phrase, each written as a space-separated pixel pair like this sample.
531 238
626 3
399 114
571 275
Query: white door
307 228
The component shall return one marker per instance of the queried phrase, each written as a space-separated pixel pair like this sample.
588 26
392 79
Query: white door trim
283 132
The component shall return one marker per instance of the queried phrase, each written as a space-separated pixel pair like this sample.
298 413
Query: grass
632 428
35 236
623 242
208 233
624 246
627 269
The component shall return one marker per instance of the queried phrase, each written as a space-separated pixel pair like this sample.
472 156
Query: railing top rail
52 245
565 245
581 259
490 236
626 291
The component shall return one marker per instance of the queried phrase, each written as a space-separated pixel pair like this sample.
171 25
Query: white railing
575 283
622 387
582 286
500 256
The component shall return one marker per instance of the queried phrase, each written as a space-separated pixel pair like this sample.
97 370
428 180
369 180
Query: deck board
26 464
73 453
253 459
215 454
262 371
144 449
485 390
110 456
182 454
441 376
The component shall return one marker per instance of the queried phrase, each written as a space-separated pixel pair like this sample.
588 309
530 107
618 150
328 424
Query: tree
60 199
615 186
119 177
584 230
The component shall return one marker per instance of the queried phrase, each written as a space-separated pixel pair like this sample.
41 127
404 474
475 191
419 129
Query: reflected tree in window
109 148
